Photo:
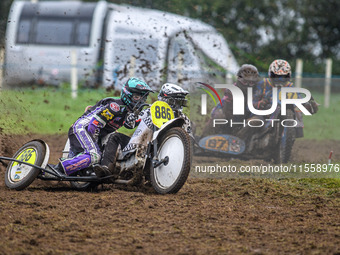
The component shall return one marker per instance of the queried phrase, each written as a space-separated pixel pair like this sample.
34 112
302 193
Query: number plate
223 143
19 171
161 113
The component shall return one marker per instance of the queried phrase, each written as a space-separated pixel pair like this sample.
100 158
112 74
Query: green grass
320 126
325 123
322 186
44 110
52 110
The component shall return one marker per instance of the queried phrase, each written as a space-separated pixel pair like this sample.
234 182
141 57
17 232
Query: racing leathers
126 143
225 111
87 133
263 99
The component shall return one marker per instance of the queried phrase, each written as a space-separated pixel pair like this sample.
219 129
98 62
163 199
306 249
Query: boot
101 171
59 169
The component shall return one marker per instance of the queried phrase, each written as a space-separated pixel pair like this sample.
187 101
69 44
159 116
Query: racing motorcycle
273 141
159 153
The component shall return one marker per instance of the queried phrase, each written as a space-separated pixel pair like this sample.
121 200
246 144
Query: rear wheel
171 176
286 142
84 186
18 175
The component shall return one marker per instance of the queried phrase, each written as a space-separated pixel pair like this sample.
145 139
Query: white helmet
248 75
174 95
280 72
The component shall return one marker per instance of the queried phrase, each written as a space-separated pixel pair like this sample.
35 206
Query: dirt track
207 216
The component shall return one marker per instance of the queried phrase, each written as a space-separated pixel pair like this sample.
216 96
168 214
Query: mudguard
66 149
47 153
223 143
177 122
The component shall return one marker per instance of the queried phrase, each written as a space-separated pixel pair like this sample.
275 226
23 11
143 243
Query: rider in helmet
279 73
174 96
88 134
247 76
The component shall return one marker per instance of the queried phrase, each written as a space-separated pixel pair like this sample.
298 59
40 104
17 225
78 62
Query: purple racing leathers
107 115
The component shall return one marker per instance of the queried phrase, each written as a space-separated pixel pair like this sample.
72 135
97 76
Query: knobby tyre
170 177
18 176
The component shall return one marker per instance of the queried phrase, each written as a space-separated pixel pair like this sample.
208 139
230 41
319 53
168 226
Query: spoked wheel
18 175
174 147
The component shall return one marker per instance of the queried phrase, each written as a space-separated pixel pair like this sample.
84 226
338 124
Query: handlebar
140 108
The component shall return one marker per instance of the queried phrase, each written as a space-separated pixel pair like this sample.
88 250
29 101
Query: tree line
258 31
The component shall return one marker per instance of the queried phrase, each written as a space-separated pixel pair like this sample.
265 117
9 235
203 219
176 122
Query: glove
131 120
93 126
311 106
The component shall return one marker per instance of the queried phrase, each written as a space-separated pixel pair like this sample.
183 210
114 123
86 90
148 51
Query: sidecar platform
49 174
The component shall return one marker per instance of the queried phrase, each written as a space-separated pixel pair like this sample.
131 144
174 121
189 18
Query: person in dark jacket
247 76
106 116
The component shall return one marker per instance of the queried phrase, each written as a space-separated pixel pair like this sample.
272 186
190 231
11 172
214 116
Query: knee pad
95 157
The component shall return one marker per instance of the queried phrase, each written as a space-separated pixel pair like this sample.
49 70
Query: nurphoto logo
282 96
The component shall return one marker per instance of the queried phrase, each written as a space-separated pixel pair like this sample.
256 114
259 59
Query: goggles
178 102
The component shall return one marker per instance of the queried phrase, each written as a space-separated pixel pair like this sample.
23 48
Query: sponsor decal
106 113
137 132
113 124
115 107
77 165
117 119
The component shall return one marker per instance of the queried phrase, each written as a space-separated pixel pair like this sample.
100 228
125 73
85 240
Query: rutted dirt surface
207 216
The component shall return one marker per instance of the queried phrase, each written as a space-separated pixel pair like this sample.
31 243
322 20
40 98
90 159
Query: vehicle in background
111 42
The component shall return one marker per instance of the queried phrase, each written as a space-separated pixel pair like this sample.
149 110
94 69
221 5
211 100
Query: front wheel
286 141
171 176
18 175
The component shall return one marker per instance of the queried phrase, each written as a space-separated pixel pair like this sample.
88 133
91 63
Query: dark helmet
280 72
173 95
134 91
248 75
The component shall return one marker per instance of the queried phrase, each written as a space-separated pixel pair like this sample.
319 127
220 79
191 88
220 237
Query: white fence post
2 61
74 74
329 63
132 68
229 77
299 65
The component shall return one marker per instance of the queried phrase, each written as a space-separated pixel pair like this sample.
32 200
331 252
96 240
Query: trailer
111 43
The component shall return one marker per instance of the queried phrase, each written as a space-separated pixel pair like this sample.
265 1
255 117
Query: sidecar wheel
171 176
18 176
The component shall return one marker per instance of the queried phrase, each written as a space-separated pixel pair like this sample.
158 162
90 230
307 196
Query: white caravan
112 42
